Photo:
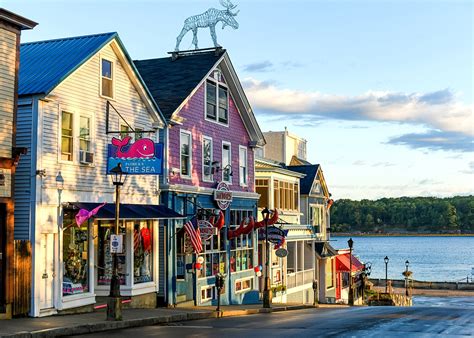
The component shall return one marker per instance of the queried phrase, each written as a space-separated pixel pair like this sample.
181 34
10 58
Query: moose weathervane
209 18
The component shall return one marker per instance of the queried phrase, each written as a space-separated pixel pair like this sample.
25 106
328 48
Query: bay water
431 258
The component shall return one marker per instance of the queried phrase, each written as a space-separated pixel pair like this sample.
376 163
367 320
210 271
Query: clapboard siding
7 85
79 94
23 175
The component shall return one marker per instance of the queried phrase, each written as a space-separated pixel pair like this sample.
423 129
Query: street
422 321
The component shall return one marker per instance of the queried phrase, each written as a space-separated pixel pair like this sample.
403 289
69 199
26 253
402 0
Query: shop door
47 271
3 220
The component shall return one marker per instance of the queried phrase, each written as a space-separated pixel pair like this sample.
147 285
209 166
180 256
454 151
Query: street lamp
386 275
114 306
266 290
350 242
406 277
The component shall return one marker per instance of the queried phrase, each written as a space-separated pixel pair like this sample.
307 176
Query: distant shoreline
348 234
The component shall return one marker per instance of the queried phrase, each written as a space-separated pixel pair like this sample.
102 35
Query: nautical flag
194 234
83 214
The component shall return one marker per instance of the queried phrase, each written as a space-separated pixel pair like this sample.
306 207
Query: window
76 256
207 159
85 153
242 249
261 187
104 256
329 274
66 136
124 131
206 293
138 133
226 163
217 102
142 252
243 285
286 195
302 150
185 150
243 165
107 79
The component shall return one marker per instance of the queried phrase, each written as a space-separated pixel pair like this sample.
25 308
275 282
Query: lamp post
266 290
114 306
350 242
406 277
386 273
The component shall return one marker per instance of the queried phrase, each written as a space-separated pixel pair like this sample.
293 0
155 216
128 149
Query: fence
299 278
21 278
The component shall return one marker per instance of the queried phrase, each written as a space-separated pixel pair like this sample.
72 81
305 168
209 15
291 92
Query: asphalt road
422 321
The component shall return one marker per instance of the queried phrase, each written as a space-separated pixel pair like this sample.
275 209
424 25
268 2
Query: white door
47 271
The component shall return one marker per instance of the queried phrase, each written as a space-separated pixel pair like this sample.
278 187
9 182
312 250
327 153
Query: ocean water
442 259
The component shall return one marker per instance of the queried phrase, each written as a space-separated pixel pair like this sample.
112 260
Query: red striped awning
343 263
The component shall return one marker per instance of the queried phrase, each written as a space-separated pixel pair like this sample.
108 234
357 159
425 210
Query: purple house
209 167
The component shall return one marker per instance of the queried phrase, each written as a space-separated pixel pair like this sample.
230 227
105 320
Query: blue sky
382 90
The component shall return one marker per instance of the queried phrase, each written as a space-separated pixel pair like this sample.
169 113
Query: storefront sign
207 230
275 235
116 243
143 157
281 252
223 196
5 183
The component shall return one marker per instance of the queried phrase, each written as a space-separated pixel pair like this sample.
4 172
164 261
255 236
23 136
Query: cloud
359 162
263 66
383 164
436 140
469 170
439 110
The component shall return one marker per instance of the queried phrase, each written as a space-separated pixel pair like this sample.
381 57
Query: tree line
404 214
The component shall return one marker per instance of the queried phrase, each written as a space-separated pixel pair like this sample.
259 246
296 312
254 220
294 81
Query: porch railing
299 278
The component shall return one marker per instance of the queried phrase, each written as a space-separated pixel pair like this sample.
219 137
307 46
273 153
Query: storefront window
75 256
242 246
142 252
104 256
214 251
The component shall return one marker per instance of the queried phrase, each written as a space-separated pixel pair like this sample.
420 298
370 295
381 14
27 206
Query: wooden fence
21 278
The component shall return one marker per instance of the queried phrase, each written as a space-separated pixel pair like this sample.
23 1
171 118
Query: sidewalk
64 325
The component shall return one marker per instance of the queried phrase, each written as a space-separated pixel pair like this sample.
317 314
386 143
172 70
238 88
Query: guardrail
299 278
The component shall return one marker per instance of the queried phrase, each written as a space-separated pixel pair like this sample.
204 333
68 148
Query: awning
343 263
130 211
325 250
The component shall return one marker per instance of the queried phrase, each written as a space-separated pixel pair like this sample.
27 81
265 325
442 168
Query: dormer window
107 85
217 101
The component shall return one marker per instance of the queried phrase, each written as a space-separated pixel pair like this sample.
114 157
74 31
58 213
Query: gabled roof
307 182
16 20
268 165
172 81
45 64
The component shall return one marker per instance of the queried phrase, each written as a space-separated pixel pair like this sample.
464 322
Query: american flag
194 234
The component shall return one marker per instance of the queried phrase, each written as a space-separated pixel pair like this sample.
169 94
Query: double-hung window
217 102
185 152
85 153
67 140
107 85
243 165
226 163
207 159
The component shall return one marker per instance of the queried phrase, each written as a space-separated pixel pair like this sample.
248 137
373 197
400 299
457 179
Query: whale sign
142 157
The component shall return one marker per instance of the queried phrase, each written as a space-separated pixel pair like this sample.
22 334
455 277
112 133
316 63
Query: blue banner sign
143 157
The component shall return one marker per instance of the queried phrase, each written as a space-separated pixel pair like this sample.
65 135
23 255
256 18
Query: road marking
190 326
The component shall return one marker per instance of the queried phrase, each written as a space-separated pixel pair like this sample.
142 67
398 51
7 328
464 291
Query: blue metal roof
44 64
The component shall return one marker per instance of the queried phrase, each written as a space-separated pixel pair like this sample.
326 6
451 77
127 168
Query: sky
381 90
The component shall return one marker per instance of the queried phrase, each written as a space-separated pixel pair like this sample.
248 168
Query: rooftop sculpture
209 18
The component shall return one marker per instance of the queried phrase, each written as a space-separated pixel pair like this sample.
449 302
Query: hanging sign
116 244
207 230
143 157
223 196
275 235
281 252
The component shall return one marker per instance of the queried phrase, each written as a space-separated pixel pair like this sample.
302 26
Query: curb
130 323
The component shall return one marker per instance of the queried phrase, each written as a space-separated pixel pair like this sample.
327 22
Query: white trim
202 157
101 58
207 287
60 133
217 84
230 161
246 183
183 131
241 280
